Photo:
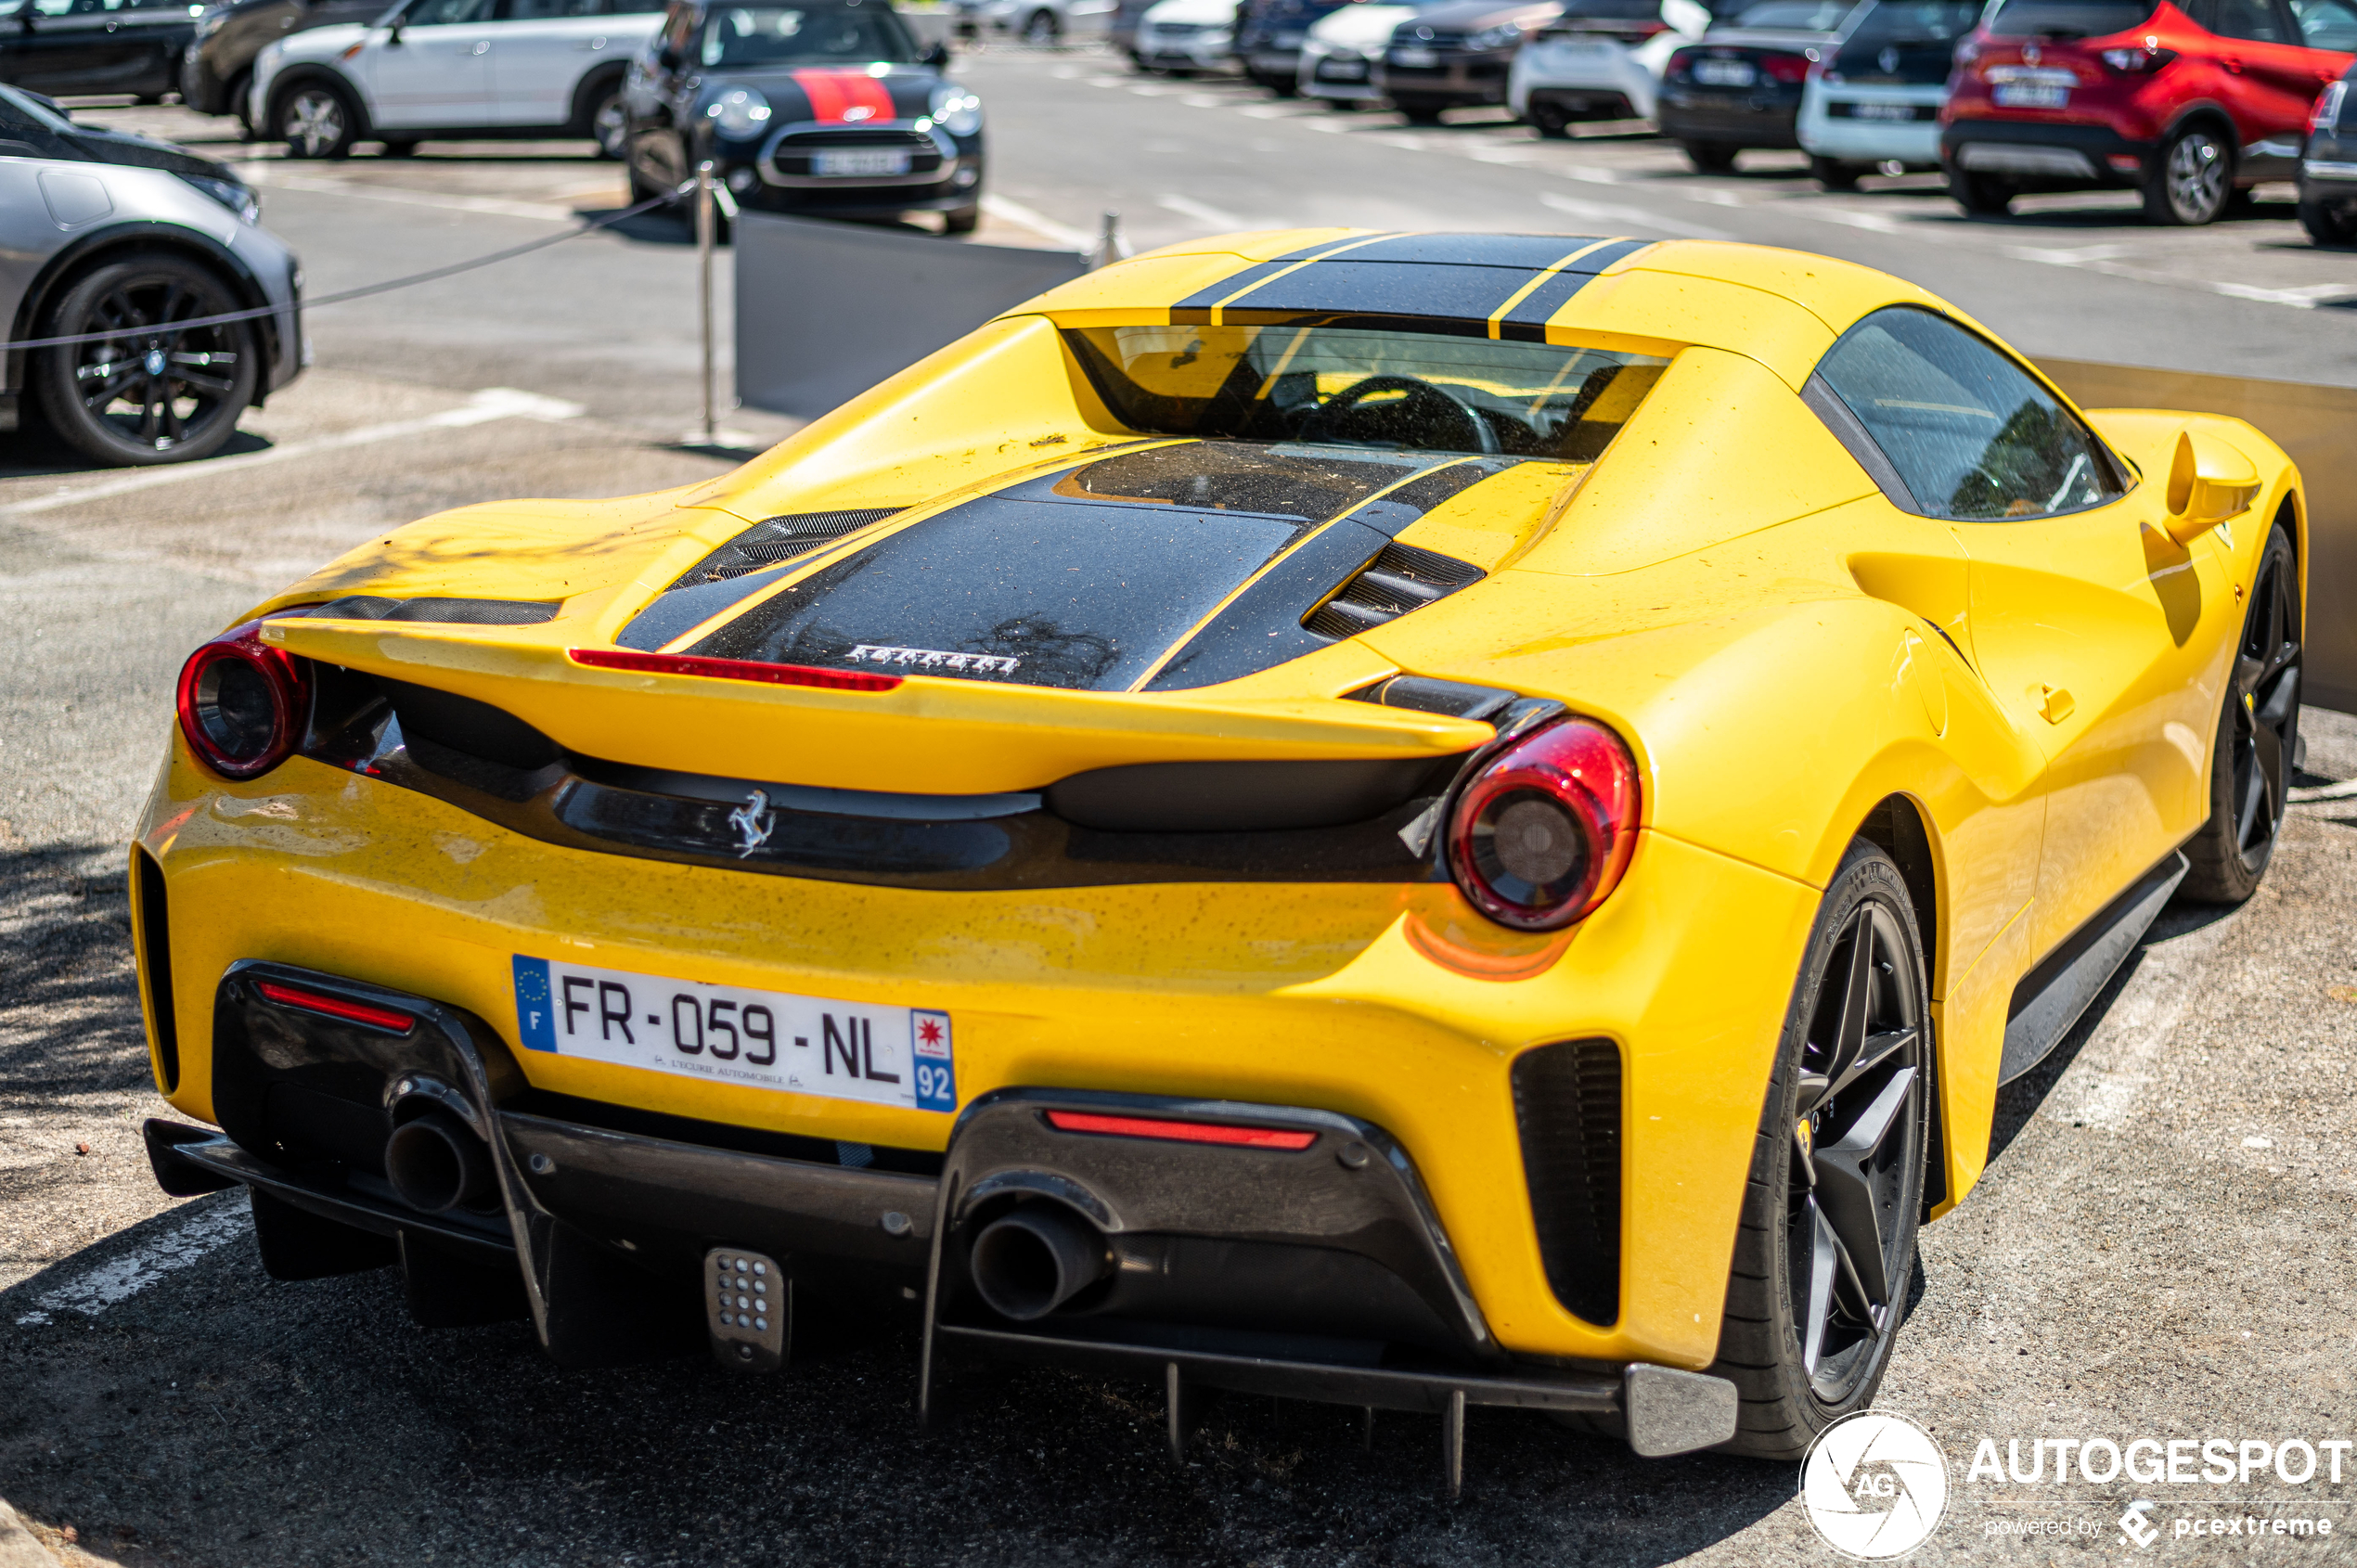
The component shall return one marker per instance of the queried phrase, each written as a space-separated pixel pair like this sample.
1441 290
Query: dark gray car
123 240
220 64
74 48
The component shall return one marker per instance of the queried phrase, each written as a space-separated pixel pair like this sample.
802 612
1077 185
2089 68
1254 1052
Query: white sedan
443 69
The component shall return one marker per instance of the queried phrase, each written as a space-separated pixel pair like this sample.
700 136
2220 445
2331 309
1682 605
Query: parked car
1270 35
1339 52
216 75
101 232
1602 59
1739 85
1456 55
2328 170
1877 99
1049 21
72 48
826 106
2192 107
441 69
1185 36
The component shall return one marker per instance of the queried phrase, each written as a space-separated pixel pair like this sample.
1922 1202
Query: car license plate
1725 73
728 1034
1342 70
1882 112
1415 60
854 163
2027 95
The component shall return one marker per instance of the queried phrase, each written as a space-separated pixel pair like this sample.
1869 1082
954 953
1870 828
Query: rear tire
2257 736
315 120
1709 157
1833 174
962 220
1981 195
2191 181
401 149
2328 223
1041 30
1548 119
1420 113
1824 1261
152 393
1343 105
604 118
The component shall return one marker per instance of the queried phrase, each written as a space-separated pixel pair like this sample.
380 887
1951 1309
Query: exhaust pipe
1032 1261
435 1162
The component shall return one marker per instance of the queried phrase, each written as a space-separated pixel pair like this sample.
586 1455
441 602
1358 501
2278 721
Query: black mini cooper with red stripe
826 108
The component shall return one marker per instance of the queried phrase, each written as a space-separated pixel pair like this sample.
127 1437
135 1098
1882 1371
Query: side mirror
667 57
2209 483
936 57
392 39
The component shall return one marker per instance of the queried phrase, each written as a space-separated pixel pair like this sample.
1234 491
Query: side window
1968 432
546 10
2255 19
2326 24
631 8
447 13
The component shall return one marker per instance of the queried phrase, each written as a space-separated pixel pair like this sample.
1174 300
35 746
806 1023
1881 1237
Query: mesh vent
1567 1103
775 539
443 612
1402 578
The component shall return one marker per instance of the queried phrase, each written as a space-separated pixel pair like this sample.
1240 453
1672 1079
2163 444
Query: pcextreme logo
1875 1486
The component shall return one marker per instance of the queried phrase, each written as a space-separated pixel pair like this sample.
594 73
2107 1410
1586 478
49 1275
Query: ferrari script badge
931 658
753 822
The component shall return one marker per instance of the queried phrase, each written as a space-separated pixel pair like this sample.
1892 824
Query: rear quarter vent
1567 1106
150 915
1400 579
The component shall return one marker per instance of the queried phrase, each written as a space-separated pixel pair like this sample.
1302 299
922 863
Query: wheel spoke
2251 789
217 385
1877 1050
1824 1266
1845 1190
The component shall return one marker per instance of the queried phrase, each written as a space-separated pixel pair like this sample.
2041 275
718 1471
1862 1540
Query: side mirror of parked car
937 57
667 57
2209 483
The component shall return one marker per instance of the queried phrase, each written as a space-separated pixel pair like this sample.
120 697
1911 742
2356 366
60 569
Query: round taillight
242 706
1543 832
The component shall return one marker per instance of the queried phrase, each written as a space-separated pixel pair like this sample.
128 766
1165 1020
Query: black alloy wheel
1984 195
2192 180
1825 1252
317 119
2258 737
148 391
1709 157
2328 223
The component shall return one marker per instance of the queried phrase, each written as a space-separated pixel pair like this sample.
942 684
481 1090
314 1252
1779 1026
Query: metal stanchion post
705 227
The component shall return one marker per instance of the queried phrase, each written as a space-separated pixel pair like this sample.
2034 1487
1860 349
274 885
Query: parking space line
126 1277
1014 211
2101 1085
492 403
1203 213
259 172
1614 213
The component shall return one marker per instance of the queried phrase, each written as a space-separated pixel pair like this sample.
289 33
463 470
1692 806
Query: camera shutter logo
1875 1486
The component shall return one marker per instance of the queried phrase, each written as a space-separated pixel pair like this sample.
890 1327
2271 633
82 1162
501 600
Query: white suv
441 69
1603 60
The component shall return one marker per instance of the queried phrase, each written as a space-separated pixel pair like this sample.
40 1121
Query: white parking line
1040 224
1187 207
126 1277
1612 213
263 172
492 403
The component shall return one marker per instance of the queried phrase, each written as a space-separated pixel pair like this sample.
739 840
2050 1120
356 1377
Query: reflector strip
1179 1132
336 1007
731 669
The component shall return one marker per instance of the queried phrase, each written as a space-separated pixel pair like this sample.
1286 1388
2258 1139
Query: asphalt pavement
2162 1247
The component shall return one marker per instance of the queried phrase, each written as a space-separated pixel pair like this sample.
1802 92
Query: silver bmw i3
132 247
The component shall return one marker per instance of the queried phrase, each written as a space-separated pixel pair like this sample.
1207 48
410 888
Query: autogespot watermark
1875 1487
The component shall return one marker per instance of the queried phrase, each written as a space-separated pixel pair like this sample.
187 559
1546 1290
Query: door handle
482 46
591 44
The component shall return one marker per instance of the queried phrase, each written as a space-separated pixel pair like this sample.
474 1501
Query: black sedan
69 48
1456 55
2329 167
825 109
1739 85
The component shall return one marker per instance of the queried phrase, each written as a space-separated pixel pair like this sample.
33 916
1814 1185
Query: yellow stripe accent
1219 320
1519 295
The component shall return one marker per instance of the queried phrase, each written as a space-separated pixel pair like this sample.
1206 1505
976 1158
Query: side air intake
1567 1104
775 539
1402 578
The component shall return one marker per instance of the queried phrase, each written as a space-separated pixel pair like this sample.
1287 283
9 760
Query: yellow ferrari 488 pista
1409 819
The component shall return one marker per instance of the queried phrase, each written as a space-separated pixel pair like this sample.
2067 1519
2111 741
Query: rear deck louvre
1400 579
775 539
1567 1104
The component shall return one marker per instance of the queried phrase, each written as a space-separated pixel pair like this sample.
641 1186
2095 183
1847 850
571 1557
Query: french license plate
1882 112
2028 96
1725 73
1333 71
728 1034
1415 60
854 163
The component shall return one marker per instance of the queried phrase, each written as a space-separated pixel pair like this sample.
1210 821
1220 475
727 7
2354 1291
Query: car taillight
1543 832
244 706
2138 62
2327 114
1680 66
1786 67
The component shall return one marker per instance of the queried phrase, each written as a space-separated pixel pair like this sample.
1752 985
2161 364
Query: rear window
1796 16
1614 10
1340 386
2067 18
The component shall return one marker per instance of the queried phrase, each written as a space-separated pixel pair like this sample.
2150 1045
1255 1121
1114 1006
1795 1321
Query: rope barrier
348 294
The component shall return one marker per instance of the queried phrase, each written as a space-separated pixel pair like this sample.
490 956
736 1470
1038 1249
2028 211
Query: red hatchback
2190 101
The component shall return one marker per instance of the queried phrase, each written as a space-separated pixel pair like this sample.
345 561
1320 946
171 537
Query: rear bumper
2044 156
1319 1272
1763 120
1830 125
1479 79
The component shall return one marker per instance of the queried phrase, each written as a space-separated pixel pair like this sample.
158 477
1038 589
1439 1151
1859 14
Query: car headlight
740 113
1495 37
955 111
231 194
